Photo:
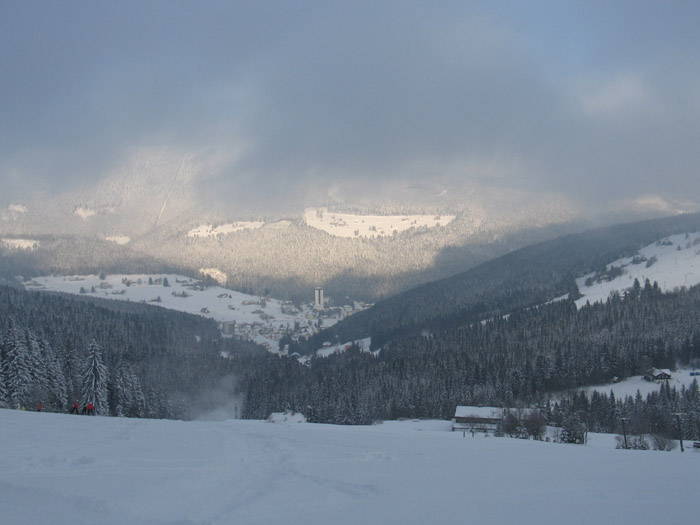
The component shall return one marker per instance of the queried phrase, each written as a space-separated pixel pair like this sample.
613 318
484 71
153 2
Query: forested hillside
527 277
139 219
160 363
506 361
71 254
287 258
157 362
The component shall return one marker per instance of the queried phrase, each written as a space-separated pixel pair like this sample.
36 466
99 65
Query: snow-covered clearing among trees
263 320
672 262
209 230
20 244
63 469
349 225
119 239
17 208
630 386
84 213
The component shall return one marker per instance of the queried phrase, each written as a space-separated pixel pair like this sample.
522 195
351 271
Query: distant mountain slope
671 262
155 212
527 277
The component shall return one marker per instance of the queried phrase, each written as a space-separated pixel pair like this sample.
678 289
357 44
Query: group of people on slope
88 409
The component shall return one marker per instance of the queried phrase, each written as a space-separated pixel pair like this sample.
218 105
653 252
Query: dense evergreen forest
158 363
524 278
152 362
518 360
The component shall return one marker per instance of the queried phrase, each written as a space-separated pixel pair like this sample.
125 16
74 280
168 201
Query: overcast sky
591 99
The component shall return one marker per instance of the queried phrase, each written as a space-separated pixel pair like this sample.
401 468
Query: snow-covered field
119 239
349 225
61 469
84 213
209 230
17 208
261 321
630 386
20 244
672 262
364 345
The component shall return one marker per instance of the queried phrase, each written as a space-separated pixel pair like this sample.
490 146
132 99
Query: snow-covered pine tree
128 395
95 380
573 430
55 388
72 368
3 390
38 388
15 367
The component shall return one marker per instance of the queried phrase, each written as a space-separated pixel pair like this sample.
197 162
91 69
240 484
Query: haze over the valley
359 146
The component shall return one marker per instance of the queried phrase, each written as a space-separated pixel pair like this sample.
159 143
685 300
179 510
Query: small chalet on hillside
656 374
477 419
493 420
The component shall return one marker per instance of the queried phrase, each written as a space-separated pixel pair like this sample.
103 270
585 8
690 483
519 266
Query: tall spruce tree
72 368
127 394
3 390
38 383
56 393
95 380
16 368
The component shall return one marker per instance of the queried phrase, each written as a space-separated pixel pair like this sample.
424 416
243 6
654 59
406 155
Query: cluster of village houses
301 321
309 322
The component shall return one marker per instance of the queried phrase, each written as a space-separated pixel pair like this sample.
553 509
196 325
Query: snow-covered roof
523 412
286 417
483 412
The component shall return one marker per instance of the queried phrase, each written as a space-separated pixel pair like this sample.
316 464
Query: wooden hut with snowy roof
656 374
477 419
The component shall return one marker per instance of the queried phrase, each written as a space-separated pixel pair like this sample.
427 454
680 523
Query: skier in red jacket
75 408
91 409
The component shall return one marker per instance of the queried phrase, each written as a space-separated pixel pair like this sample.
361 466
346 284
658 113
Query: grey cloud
315 92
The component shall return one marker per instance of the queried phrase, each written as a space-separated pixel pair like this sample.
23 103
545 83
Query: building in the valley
228 327
656 374
318 298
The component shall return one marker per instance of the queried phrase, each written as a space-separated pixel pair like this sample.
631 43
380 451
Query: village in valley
261 319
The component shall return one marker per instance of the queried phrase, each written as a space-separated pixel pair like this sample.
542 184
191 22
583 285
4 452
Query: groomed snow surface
63 469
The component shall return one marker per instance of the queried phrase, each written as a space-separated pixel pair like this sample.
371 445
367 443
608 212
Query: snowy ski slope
61 470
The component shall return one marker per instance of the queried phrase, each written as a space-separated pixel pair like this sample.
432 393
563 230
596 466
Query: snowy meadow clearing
62 469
